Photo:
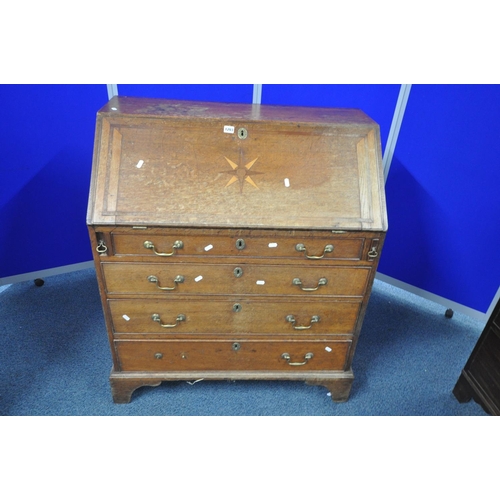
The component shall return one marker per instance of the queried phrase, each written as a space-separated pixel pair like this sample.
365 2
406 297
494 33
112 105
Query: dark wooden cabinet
234 241
480 378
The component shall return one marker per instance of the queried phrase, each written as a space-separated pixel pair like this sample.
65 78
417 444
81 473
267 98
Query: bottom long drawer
157 356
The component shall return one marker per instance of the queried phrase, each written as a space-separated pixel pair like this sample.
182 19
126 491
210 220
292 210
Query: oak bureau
234 241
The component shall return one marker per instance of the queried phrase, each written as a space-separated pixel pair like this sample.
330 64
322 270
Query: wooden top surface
141 106
180 163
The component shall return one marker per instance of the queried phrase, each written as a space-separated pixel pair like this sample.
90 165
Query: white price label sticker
228 129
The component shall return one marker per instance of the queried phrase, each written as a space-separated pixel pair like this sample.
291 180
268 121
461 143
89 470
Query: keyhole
240 244
237 308
238 272
242 133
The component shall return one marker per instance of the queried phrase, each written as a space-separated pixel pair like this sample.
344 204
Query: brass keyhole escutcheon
238 272
237 308
242 133
240 244
236 346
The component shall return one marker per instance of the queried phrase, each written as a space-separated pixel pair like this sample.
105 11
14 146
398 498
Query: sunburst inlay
240 172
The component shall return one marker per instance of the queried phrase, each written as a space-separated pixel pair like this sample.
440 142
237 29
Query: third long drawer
174 317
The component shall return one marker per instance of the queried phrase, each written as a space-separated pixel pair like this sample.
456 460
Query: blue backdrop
443 194
47 134
211 93
442 188
377 101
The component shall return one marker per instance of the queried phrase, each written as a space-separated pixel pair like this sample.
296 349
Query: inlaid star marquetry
240 172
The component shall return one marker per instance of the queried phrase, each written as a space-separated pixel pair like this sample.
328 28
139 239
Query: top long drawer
175 245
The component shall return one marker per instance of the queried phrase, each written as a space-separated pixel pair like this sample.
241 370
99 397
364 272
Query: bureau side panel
100 241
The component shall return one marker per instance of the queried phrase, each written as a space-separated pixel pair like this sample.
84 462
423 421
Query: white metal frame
257 93
446 303
397 120
45 273
112 90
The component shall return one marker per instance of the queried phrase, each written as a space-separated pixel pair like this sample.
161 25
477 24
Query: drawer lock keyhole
240 244
237 308
238 272
236 346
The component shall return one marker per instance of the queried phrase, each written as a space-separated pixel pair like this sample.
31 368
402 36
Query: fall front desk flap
180 163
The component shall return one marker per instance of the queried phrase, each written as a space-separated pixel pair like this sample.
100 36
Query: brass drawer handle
180 317
150 246
154 279
300 247
321 282
291 319
287 358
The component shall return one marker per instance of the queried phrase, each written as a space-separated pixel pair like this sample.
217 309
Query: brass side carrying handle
300 247
154 279
287 358
291 319
373 253
101 247
298 282
180 317
150 246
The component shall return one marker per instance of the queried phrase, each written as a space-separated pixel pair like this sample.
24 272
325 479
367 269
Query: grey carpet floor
55 360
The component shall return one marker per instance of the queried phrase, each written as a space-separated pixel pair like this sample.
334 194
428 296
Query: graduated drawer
187 278
171 244
174 317
220 355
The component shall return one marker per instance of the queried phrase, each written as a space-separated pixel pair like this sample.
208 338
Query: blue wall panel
377 101
442 189
47 135
443 194
211 93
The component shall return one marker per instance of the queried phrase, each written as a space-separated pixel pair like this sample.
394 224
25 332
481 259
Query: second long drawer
173 317
239 278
